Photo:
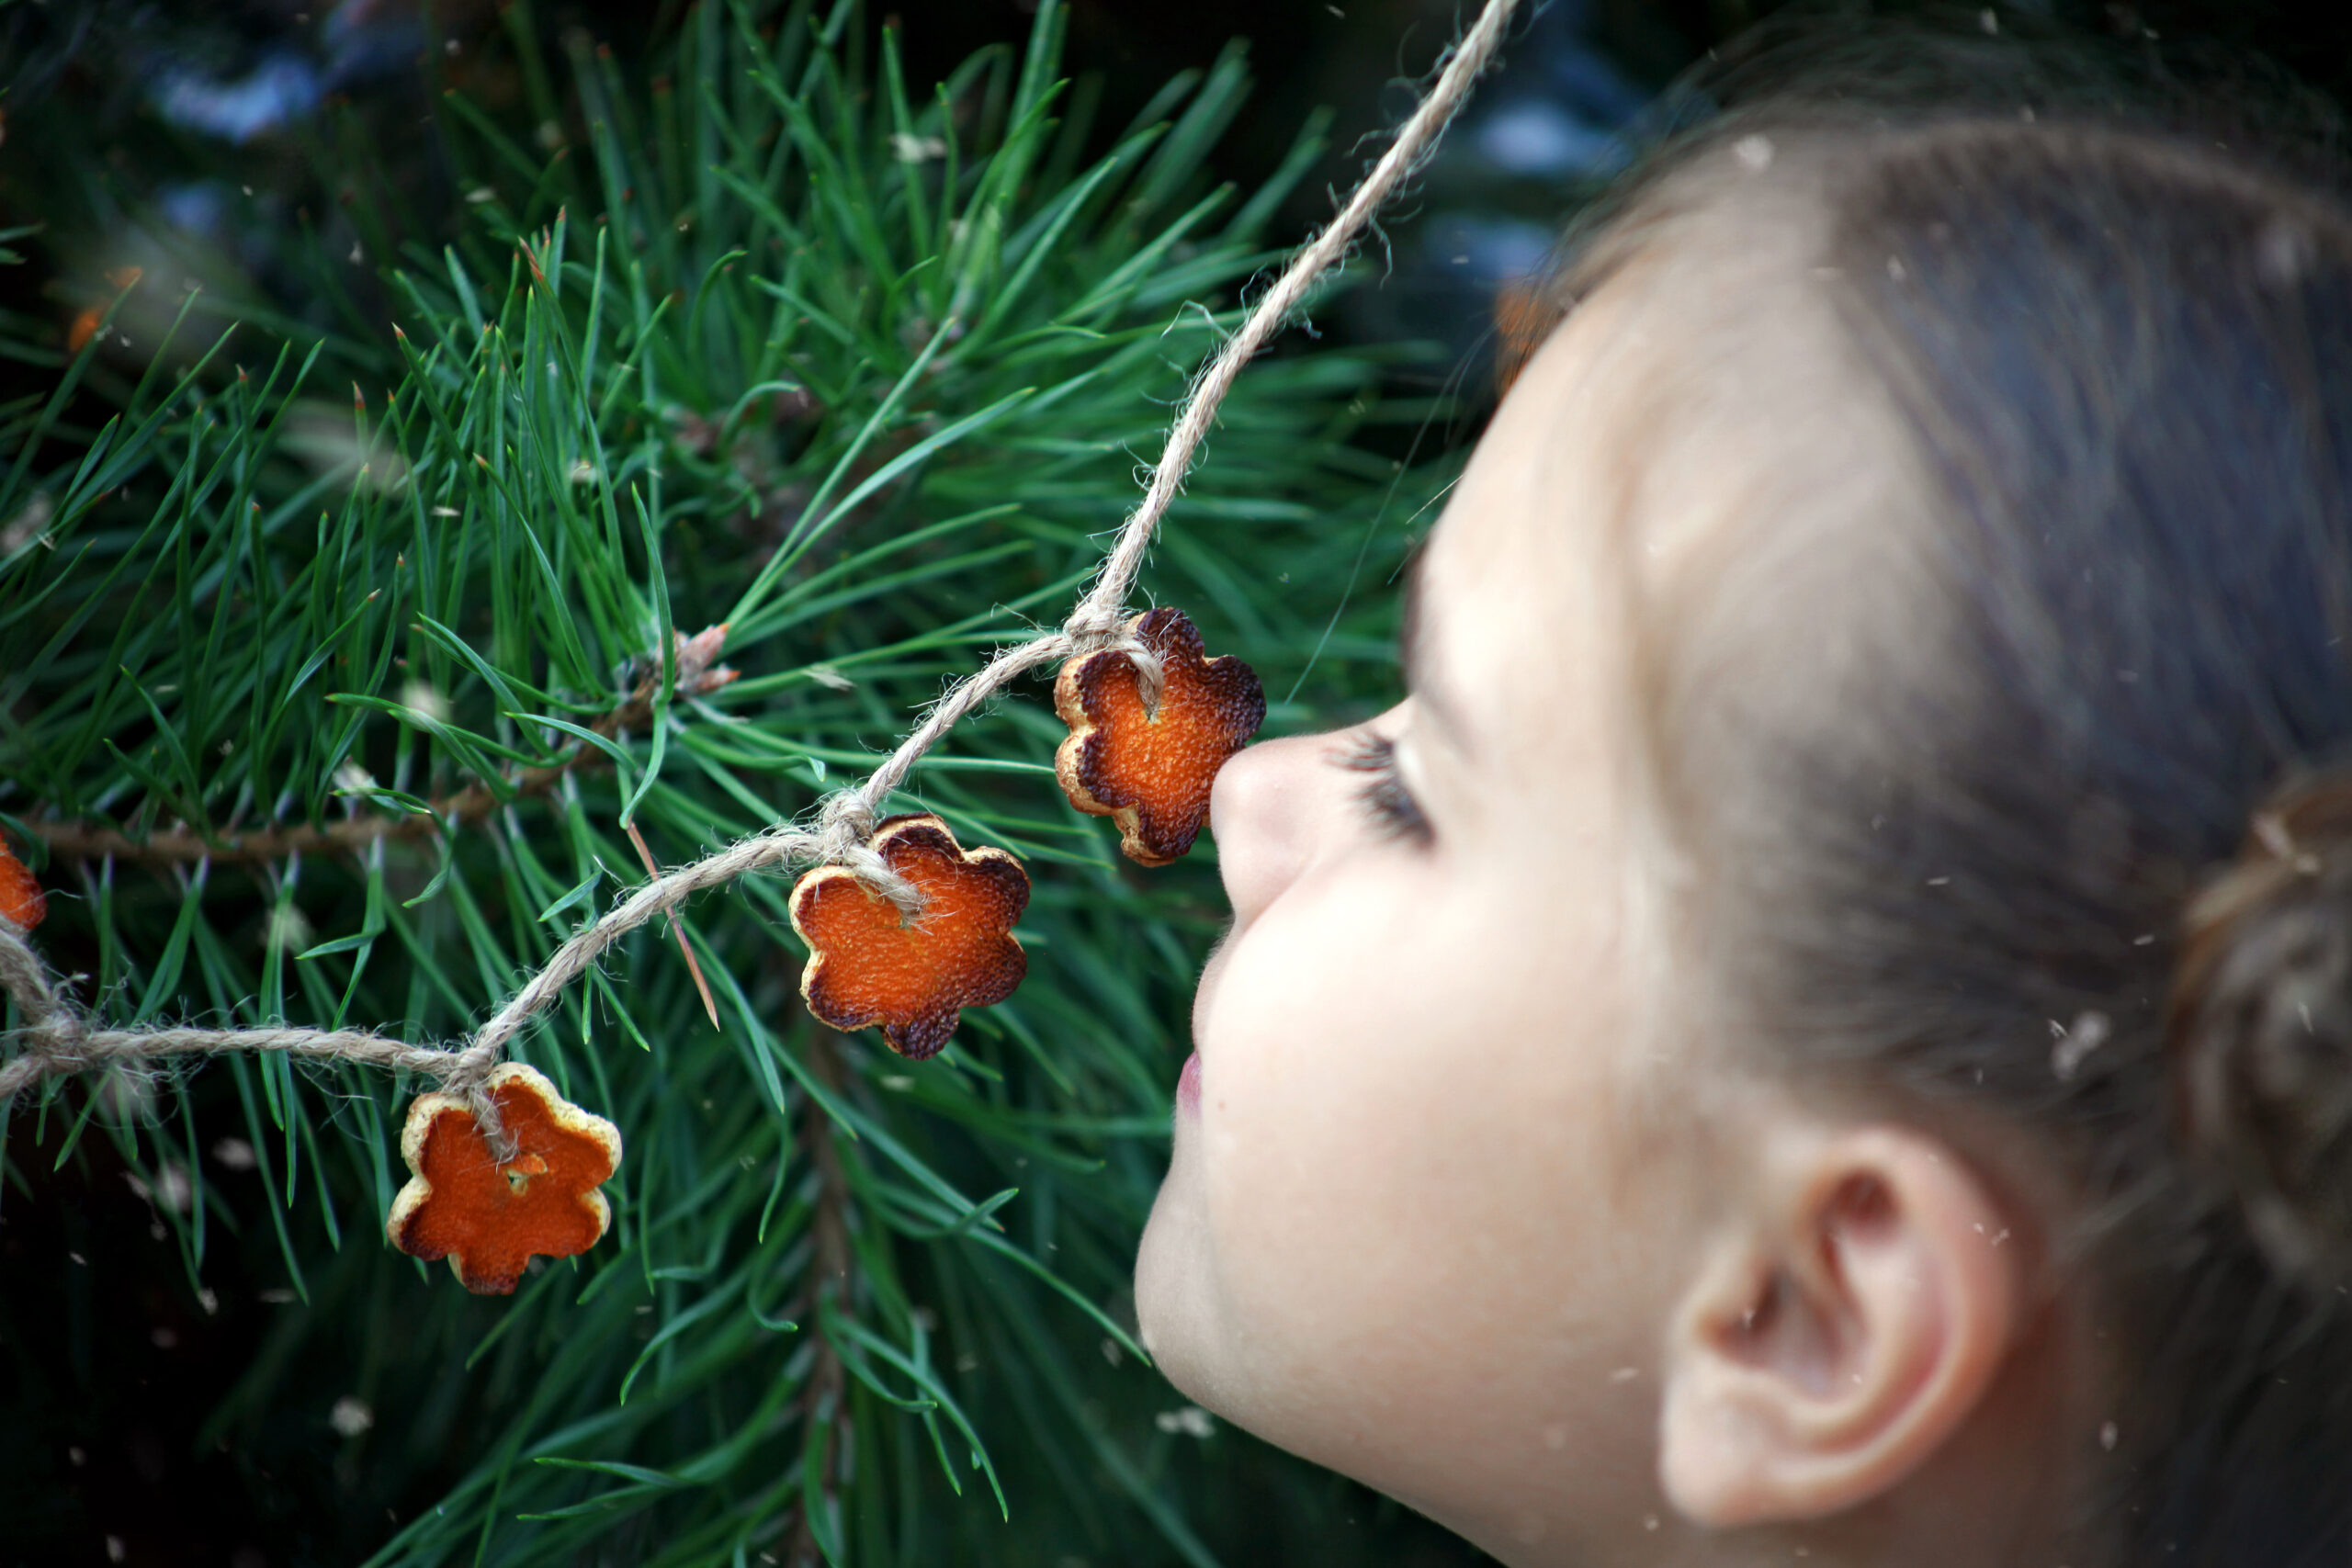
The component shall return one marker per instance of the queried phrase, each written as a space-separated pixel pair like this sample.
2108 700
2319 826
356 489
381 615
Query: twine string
55 1039
960 701
760 851
1099 612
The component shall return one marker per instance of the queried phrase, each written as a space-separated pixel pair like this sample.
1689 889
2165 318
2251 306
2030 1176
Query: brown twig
182 846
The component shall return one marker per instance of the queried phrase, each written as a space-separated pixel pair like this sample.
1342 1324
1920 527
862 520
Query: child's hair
2096 879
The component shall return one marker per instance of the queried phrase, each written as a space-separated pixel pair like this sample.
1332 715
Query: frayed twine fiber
55 1039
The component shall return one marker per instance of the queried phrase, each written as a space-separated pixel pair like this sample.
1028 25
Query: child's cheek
1401 1037
1334 1061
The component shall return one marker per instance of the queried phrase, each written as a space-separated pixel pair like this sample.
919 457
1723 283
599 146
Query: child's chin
1177 1312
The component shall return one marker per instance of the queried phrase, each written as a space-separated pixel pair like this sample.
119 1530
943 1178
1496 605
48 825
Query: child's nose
1264 810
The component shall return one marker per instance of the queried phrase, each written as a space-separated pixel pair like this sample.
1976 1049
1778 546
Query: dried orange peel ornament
870 964
1150 768
488 1218
22 903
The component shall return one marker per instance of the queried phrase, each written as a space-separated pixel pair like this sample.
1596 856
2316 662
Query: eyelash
1384 795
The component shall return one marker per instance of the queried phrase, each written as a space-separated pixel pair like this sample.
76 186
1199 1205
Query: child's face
1401 1233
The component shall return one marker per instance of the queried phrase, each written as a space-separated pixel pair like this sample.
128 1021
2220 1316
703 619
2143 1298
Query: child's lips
1188 1086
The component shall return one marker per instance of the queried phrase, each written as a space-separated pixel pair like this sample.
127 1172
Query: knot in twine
50 1033
845 826
1093 627
470 1081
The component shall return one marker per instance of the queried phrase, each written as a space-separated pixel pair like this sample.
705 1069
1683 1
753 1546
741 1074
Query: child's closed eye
1383 796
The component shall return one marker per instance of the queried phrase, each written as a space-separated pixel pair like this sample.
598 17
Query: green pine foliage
334 666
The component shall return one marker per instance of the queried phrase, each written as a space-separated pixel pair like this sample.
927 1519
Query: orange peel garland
21 900
489 1219
1151 771
869 964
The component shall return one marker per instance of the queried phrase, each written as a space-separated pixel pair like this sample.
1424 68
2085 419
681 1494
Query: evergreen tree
340 682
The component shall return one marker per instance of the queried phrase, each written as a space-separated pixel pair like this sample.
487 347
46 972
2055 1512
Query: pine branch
461 808
848 818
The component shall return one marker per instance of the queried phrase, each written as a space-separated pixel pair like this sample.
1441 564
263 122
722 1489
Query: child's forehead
1699 462
1679 385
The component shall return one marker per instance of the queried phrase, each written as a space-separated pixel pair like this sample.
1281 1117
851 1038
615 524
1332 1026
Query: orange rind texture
488 1219
1152 771
22 903
869 965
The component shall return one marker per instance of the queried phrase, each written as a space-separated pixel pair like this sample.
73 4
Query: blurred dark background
207 120
208 117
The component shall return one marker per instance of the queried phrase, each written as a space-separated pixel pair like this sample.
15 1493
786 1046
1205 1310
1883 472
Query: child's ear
1839 1332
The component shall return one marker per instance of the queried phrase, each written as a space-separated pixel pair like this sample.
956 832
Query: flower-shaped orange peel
489 1219
1150 770
22 903
870 964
